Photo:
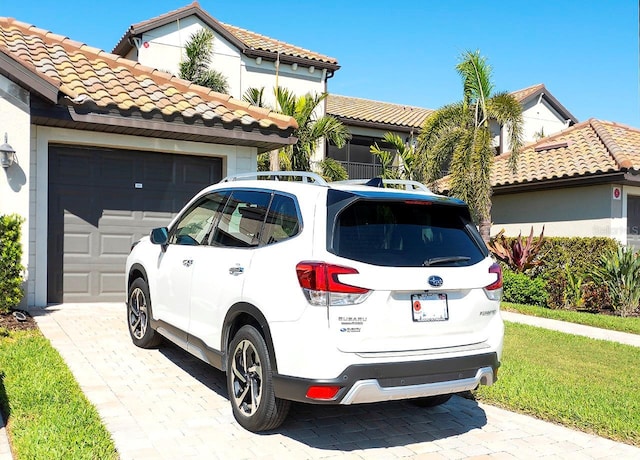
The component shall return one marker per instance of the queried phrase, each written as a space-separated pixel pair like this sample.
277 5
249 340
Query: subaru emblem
435 281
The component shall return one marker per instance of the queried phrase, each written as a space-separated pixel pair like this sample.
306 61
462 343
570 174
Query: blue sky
405 51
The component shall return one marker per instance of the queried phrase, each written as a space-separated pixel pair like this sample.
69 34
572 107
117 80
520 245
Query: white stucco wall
236 159
15 181
538 117
575 211
162 48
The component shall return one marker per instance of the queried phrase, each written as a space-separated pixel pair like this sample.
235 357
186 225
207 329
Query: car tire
255 406
431 401
139 315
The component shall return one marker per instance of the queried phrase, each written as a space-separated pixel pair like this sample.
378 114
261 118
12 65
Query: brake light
494 290
323 392
319 281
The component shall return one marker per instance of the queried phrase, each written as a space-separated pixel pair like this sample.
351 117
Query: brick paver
166 404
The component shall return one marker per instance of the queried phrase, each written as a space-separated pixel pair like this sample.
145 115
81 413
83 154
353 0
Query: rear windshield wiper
444 260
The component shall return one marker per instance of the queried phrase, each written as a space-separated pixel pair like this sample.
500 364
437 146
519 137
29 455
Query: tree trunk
274 160
485 229
484 223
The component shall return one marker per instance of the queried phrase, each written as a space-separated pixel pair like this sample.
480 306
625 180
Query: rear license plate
429 307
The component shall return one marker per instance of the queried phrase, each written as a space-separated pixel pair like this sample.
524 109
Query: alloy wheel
138 313
246 378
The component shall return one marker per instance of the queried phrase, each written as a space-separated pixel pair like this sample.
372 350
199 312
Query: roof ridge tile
616 152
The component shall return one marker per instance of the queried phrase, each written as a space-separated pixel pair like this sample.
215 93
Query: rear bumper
366 383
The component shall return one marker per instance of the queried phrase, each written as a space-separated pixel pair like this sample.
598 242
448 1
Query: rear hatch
429 275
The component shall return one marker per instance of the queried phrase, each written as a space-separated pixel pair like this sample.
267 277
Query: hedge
11 268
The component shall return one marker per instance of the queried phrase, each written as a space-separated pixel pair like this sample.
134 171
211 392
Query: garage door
100 202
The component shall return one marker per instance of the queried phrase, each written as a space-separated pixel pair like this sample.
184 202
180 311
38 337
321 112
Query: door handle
237 270
187 262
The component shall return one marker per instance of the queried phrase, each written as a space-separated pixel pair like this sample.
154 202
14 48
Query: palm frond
254 96
212 79
508 112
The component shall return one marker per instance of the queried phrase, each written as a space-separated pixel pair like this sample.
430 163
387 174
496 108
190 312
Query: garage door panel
117 170
78 243
111 284
100 202
115 244
72 169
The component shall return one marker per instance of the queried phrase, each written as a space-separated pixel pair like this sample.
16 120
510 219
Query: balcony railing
361 170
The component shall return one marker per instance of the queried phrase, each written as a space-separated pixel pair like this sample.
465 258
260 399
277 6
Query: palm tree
456 139
195 67
399 164
311 129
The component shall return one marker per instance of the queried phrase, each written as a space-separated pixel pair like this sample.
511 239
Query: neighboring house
583 181
368 121
247 59
106 149
542 114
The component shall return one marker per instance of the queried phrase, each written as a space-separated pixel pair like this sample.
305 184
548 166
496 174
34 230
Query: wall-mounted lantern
7 154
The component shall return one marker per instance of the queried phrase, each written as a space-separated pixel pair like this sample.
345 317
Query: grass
614 323
48 415
588 384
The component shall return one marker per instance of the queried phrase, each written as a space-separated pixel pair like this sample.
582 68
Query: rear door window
242 219
406 234
283 221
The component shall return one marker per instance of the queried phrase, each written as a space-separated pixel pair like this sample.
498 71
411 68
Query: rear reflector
323 392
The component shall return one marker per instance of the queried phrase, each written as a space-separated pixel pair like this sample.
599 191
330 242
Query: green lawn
48 415
615 323
575 381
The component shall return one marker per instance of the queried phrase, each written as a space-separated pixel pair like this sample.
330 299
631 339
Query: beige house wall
577 211
15 182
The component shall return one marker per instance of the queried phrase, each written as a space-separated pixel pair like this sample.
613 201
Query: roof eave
557 106
289 59
18 73
563 182
376 125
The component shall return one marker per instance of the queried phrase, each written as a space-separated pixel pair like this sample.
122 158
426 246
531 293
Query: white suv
323 293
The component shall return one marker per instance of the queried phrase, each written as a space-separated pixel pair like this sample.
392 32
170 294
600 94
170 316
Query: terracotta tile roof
353 109
253 40
250 43
589 148
95 80
373 112
524 93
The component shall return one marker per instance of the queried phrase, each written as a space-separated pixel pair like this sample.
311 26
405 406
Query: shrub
520 288
10 262
582 255
517 254
596 297
572 296
619 270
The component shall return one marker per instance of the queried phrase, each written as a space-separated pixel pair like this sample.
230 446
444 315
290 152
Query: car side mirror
160 236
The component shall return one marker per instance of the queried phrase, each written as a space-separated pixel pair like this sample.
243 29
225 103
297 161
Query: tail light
320 284
494 290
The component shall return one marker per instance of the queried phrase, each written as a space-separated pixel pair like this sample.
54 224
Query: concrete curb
5 447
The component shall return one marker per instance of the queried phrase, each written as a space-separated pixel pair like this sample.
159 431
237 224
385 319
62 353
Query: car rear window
406 234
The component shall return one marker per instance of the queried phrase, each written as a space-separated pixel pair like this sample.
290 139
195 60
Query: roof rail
380 183
304 176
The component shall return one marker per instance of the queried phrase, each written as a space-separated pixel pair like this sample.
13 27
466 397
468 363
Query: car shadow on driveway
346 428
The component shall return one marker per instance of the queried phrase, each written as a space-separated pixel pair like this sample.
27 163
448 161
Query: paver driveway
165 404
